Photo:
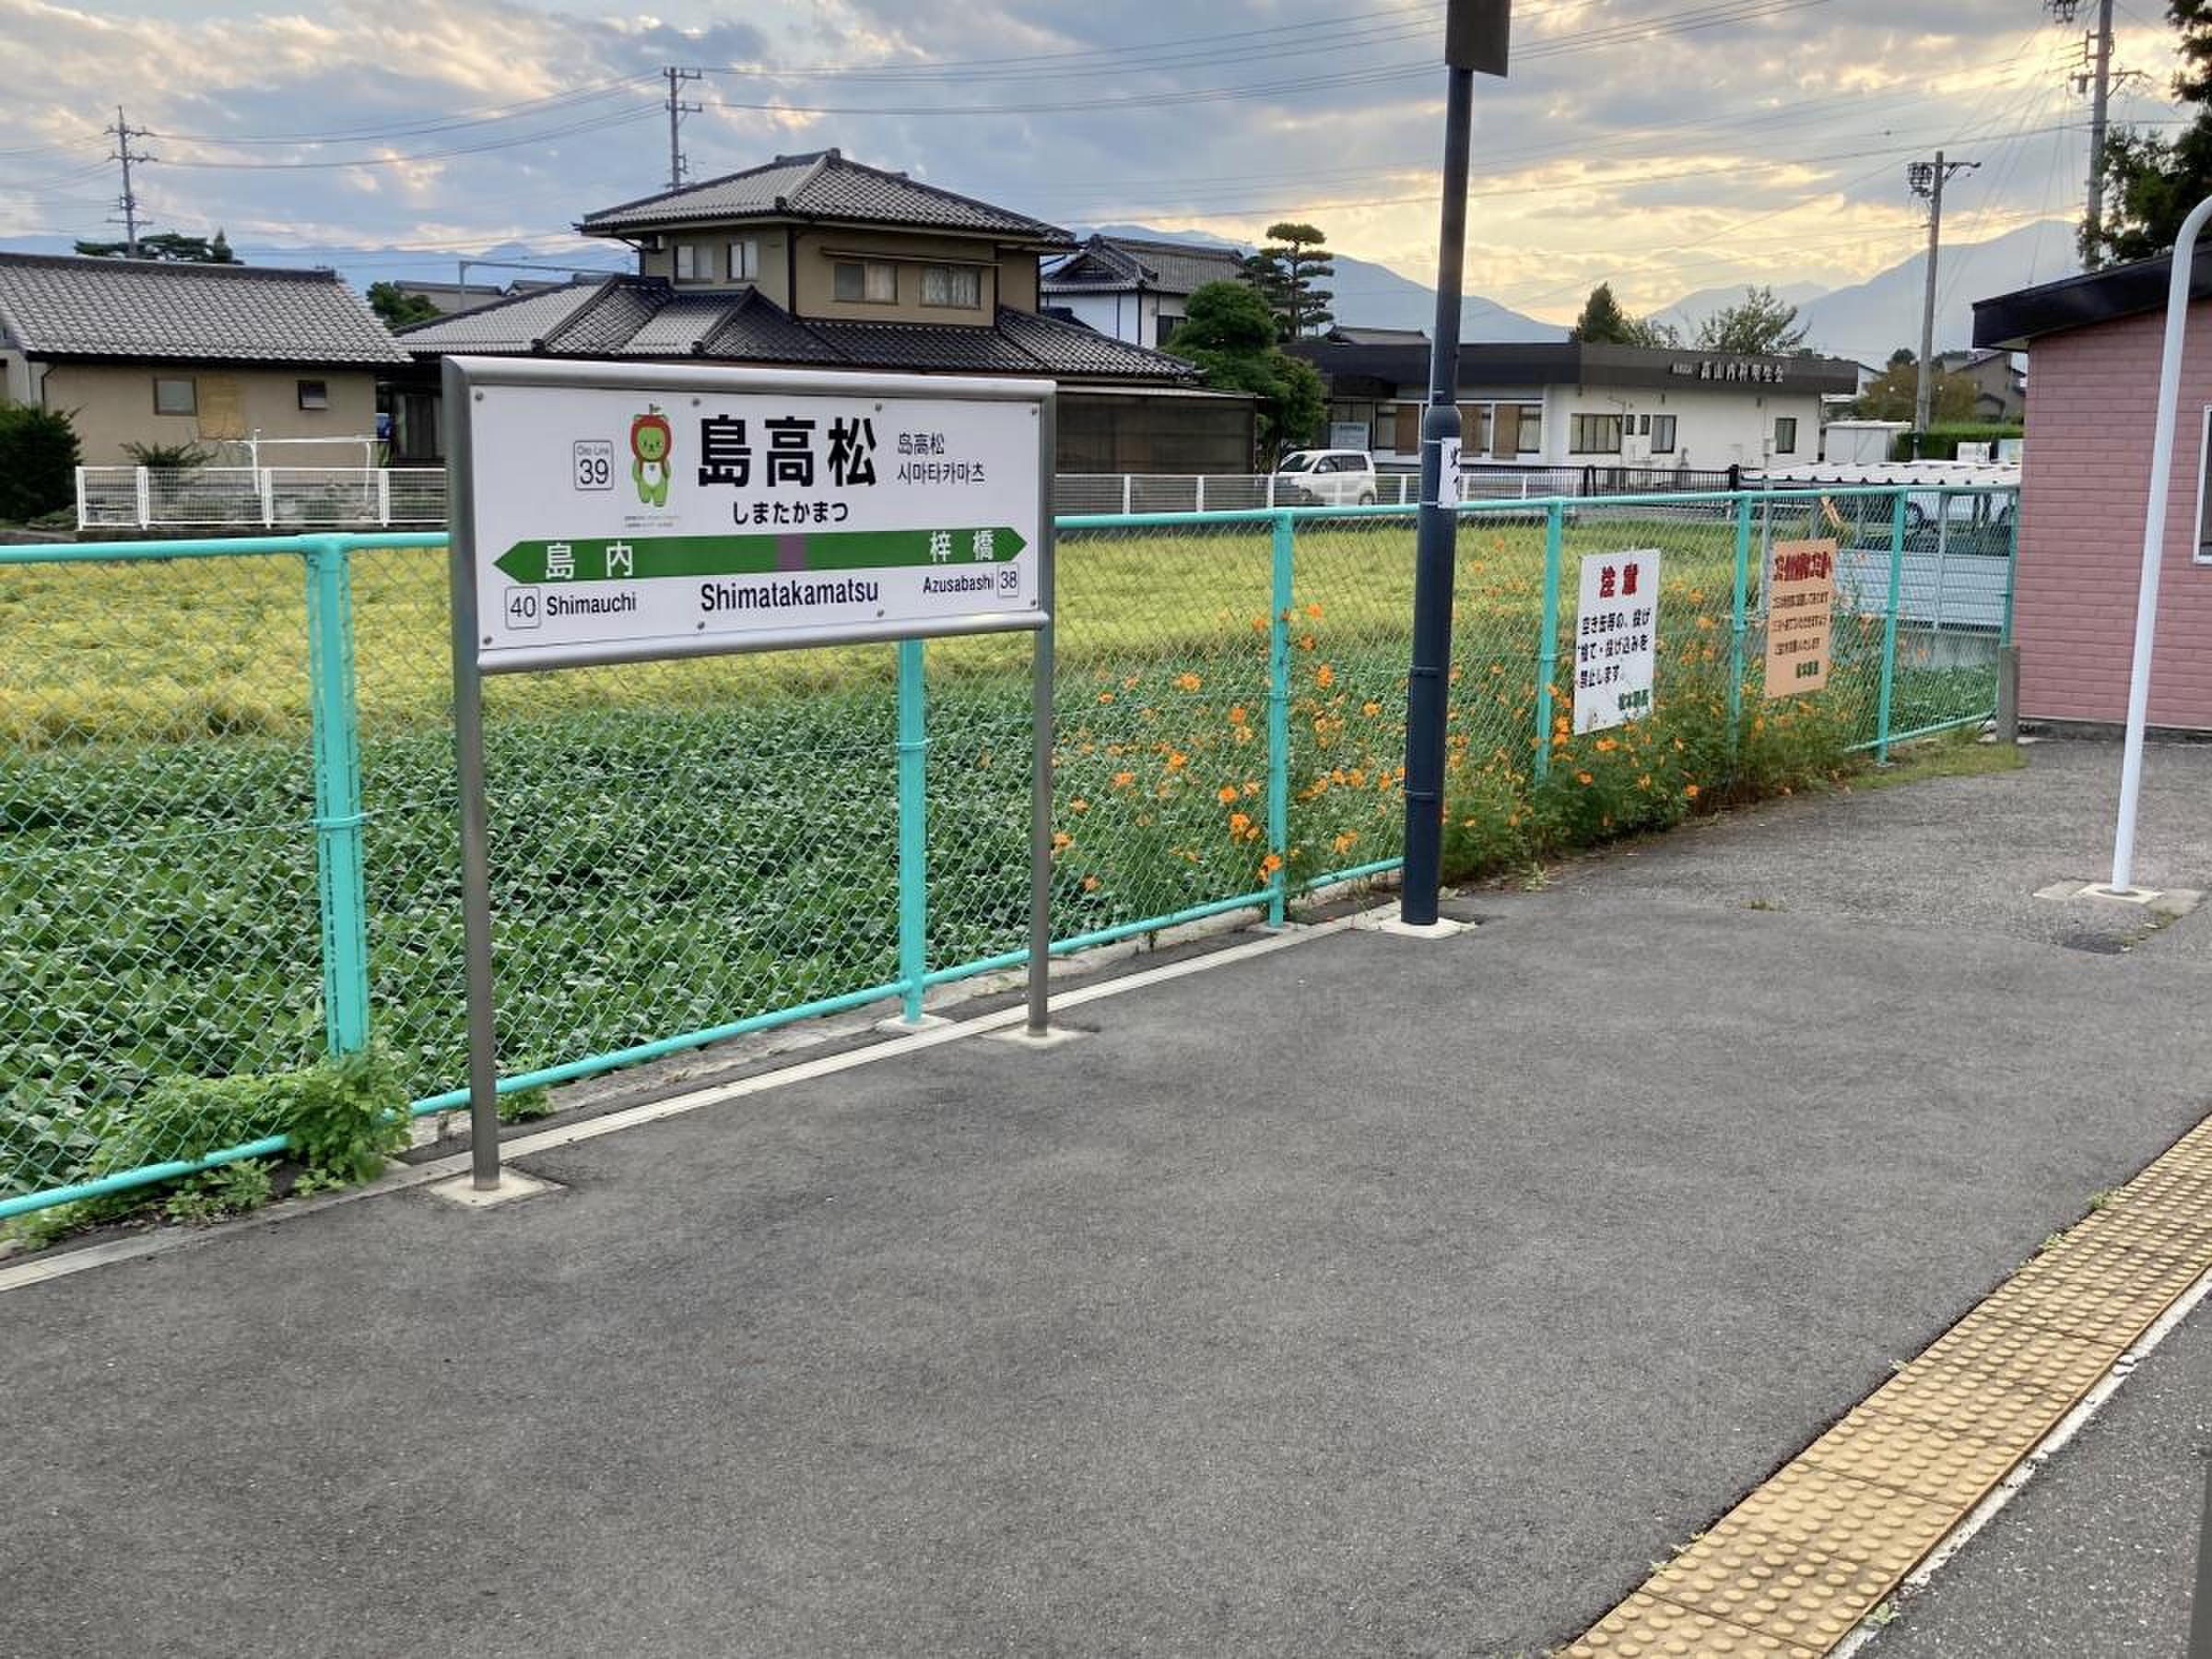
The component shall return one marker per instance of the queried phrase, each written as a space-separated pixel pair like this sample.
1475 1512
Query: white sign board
689 511
1447 473
1616 638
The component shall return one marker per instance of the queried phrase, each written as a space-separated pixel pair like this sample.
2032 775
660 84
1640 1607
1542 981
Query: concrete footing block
1020 1036
514 1186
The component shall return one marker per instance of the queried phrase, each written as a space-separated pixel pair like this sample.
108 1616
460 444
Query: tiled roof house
815 261
1136 289
156 352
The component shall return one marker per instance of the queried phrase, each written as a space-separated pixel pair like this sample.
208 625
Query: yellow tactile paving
1800 1562
1644 1627
2100 1294
1925 1459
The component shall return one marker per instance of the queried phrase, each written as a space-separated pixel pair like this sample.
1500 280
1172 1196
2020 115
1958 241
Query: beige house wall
775 271
797 266
112 405
819 251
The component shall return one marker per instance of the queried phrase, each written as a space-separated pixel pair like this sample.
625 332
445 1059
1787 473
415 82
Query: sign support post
610 513
1475 39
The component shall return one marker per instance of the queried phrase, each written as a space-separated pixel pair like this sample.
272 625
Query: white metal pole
2154 542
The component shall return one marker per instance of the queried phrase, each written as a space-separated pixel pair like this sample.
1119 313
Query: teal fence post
1547 647
2012 565
340 871
914 831
1897 569
1738 625
1281 580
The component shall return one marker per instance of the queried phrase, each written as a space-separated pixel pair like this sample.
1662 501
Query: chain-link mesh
678 847
157 900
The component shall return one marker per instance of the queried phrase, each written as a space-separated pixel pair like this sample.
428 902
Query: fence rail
144 498
227 823
207 498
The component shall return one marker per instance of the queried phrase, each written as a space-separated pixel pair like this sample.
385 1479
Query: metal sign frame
464 379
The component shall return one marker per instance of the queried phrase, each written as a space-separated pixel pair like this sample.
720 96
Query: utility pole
1475 40
2095 78
123 132
1927 178
677 109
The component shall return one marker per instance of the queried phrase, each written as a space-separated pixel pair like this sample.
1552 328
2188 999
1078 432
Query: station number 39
594 462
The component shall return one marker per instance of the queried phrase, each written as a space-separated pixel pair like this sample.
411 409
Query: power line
1695 20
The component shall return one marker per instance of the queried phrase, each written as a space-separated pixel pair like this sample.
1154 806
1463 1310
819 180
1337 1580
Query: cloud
1627 145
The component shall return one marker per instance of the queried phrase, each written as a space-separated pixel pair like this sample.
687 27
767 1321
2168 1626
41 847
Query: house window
1785 435
1532 430
866 282
959 286
1594 435
2204 487
315 394
1643 426
178 395
1473 429
1386 427
1663 434
745 260
695 262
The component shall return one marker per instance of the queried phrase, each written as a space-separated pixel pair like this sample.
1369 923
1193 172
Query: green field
680 845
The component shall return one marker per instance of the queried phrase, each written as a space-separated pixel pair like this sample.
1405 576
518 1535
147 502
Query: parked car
1328 477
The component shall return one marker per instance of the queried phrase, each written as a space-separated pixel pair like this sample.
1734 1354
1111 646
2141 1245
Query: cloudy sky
1664 145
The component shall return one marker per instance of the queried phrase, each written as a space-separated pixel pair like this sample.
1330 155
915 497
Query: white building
1571 405
1134 290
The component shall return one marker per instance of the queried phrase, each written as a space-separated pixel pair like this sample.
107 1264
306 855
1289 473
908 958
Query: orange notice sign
1800 600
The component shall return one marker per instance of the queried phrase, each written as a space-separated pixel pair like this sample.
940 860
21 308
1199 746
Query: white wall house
1571 405
1134 290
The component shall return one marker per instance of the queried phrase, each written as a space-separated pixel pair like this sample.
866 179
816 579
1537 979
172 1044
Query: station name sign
688 513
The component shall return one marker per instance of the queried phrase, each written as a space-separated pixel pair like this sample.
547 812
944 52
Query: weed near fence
677 846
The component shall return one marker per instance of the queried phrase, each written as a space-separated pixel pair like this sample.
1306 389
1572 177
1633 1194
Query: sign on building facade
1616 638
1801 600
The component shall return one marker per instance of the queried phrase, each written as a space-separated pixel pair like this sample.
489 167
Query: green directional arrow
647 558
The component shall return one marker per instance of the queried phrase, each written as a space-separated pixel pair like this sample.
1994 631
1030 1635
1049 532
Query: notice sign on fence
1801 601
1616 638
617 514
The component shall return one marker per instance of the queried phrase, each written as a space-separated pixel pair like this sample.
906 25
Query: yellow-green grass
176 650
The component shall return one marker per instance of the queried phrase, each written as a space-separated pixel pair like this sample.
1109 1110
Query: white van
1329 478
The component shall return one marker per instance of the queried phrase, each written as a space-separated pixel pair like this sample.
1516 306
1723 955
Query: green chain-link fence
228 834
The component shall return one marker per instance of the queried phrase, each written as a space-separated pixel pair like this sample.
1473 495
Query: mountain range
1865 321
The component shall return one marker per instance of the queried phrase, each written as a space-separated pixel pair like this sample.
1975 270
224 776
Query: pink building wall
2090 393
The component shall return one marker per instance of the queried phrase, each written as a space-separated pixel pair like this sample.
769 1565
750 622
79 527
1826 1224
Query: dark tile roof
520 325
57 305
636 317
1106 263
1356 335
2010 322
1070 349
820 185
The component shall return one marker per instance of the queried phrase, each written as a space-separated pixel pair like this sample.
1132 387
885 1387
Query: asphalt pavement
1372 1296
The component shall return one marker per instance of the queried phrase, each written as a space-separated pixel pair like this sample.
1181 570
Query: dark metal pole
1433 556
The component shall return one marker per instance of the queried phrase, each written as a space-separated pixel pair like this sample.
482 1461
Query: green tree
168 245
38 462
1759 324
2151 180
396 309
1890 395
1603 323
1228 332
1286 271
